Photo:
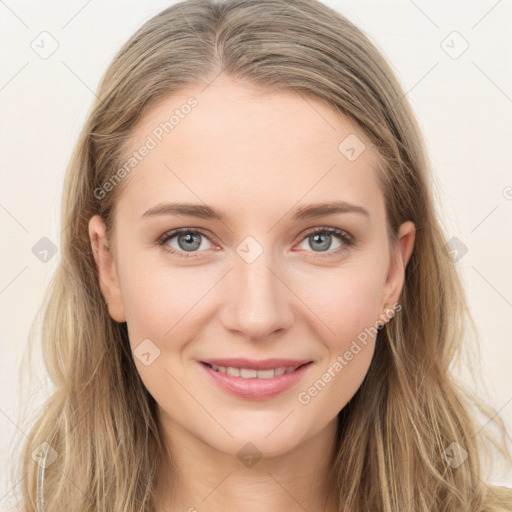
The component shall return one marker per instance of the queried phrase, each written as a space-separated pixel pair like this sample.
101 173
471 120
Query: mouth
255 380
251 373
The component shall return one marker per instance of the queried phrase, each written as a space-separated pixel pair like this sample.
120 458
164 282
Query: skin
256 156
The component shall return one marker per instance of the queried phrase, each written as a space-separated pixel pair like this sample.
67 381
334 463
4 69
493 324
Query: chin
262 439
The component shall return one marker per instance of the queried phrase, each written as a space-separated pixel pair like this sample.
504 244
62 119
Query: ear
396 274
105 264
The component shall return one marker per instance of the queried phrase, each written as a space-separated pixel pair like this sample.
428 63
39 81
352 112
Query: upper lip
253 364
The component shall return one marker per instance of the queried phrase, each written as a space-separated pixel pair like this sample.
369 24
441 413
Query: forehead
233 144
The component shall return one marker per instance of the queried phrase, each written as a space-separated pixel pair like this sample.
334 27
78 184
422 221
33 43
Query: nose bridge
258 302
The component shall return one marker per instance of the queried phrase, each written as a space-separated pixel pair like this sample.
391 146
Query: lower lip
256 389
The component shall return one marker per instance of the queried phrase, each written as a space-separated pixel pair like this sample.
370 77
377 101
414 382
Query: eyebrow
206 212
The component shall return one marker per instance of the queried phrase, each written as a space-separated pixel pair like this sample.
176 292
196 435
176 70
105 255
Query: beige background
464 106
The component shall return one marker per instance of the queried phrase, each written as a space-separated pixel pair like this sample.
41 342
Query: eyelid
347 241
173 232
161 241
341 233
346 238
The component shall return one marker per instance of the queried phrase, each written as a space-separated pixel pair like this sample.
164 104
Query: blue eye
189 242
322 238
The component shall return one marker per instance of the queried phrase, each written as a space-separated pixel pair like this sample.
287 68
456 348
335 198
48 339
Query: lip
253 364
254 388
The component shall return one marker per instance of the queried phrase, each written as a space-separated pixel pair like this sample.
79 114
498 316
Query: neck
209 479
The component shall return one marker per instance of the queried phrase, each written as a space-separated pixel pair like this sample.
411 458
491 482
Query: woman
207 353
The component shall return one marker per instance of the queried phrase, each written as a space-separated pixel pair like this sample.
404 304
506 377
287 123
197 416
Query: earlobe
106 268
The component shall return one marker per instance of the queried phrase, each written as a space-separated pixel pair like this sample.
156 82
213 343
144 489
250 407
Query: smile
248 373
256 380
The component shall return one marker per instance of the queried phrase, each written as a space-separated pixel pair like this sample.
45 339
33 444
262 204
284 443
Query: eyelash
342 235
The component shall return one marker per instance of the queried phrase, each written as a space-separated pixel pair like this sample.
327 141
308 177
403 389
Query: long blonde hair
96 438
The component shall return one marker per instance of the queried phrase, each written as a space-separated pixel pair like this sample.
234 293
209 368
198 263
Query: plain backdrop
453 59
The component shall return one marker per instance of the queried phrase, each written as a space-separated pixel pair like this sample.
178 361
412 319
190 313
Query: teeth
229 370
247 373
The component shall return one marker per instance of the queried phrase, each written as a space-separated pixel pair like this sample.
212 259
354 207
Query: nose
257 302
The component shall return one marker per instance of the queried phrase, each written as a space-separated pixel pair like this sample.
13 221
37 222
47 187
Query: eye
187 241
321 239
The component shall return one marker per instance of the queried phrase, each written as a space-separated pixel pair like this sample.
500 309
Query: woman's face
254 275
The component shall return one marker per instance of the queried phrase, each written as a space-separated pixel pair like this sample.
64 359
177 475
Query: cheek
172 305
162 305
158 299
346 299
